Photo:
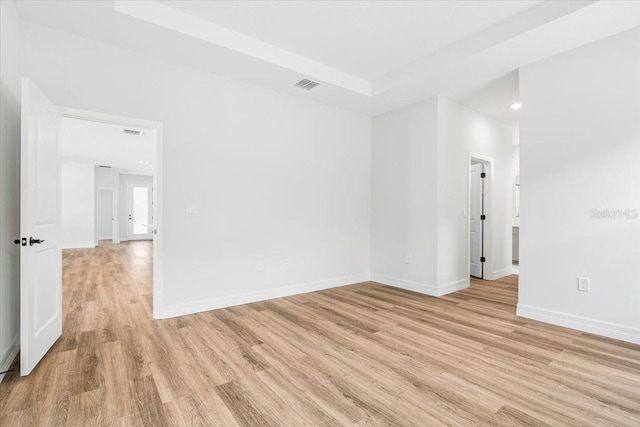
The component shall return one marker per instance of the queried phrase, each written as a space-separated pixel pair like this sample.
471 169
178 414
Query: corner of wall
183 309
9 355
580 323
10 73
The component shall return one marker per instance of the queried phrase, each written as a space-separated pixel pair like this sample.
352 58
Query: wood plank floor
361 355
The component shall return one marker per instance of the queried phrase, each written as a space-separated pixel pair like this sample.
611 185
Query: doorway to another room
140 211
480 171
515 243
106 214
476 220
111 191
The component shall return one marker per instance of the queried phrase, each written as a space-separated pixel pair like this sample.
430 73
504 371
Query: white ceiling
105 144
369 56
366 39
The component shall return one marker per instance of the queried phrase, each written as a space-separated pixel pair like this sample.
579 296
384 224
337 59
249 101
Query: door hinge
483 175
483 217
482 259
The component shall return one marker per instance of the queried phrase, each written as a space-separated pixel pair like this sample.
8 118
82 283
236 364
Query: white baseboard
78 245
452 287
499 274
423 288
249 297
585 324
9 355
409 285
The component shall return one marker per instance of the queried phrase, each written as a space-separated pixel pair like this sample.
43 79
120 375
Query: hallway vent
306 84
132 132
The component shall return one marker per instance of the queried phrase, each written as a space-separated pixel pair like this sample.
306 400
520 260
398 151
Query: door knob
33 241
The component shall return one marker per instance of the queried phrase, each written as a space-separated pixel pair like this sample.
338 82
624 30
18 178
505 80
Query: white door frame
115 222
130 185
157 189
488 223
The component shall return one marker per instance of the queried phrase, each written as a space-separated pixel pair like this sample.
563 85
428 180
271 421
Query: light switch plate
193 212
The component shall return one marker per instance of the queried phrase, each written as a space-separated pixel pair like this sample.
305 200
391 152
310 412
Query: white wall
462 131
404 195
123 185
10 73
420 182
107 178
273 176
580 150
78 204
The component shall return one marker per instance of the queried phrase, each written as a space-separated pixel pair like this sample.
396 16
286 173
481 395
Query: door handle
33 241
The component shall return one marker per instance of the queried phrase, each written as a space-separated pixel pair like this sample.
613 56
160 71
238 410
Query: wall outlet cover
583 284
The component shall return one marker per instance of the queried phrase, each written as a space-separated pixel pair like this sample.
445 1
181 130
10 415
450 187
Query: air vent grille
132 132
306 84
104 166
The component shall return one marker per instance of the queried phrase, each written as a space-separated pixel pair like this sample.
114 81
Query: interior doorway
476 219
106 215
140 210
479 218
58 207
140 170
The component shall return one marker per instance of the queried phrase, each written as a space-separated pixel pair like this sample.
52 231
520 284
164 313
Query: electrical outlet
407 259
583 284
285 263
193 212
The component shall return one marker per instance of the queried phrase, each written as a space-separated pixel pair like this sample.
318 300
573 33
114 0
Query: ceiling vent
104 166
132 132
306 84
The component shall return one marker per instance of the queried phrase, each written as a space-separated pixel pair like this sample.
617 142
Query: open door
476 215
40 249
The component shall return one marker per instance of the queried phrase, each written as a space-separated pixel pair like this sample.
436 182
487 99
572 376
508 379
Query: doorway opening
106 215
52 218
479 218
140 211
120 159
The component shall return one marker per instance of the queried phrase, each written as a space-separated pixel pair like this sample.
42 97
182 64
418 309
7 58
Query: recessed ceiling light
516 106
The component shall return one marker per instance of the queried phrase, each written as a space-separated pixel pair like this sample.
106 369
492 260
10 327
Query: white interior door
140 214
475 223
40 250
106 214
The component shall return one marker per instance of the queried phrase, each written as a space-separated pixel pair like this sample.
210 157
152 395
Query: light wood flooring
361 355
